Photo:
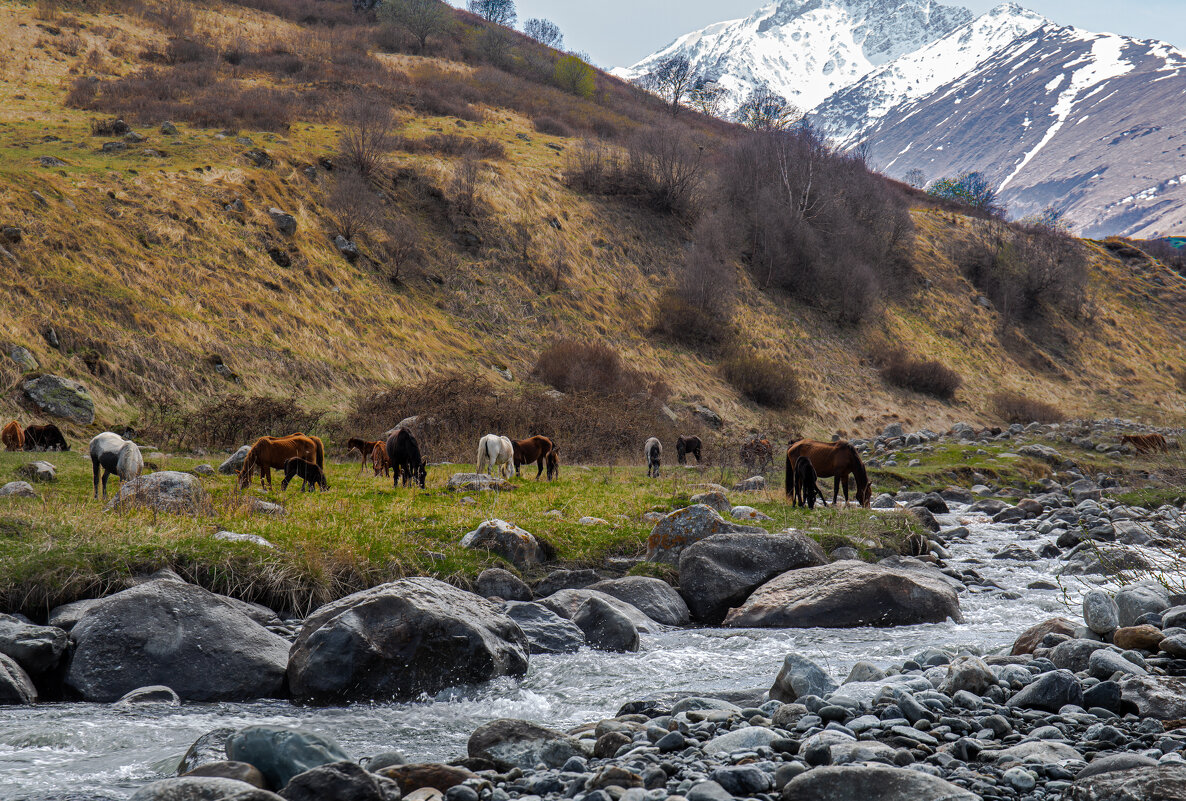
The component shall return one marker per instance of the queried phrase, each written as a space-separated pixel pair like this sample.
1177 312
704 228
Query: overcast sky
620 32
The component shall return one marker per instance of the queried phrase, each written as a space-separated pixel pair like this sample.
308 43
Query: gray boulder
716 500
1075 655
744 739
507 540
39 471
1137 599
1163 783
154 694
17 489
61 397
400 639
970 674
37 649
15 685
510 743
719 573
861 783
209 748
1100 612
166 491
477 482
285 222
685 527
845 595
235 462
280 753
1050 692
1104 561
340 780
23 357
1114 762
1160 697
565 580
1104 663
202 788
605 627
498 583
656 598
566 603
168 632
547 632
800 677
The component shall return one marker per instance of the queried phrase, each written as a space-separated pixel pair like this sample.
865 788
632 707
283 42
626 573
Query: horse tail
481 460
319 451
790 479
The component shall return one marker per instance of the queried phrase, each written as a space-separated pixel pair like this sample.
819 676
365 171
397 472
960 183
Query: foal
806 484
308 472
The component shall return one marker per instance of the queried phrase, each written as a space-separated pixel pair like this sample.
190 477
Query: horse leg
105 475
95 469
845 482
835 489
540 465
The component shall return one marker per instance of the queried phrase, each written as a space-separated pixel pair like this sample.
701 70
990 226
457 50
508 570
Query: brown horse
272 452
365 447
553 464
532 449
379 459
13 437
1146 443
45 438
835 460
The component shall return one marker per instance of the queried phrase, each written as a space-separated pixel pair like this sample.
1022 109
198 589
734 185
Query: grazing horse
45 438
685 446
365 447
13 437
653 451
806 484
270 453
1146 443
757 455
379 459
553 464
532 449
496 453
111 453
835 460
403 454
309 473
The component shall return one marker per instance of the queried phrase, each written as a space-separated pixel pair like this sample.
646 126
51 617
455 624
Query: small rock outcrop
61 397
166 491
685 527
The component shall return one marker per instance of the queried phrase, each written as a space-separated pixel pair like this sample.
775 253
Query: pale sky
618 33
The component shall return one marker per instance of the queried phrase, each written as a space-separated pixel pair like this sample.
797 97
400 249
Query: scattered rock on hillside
17 489
751 484
235 462
507 540
477 482
39 471
707 416
23 358
685 527
285 222
259 158
347 248
166 491
256 506
232 536
169 129
61 397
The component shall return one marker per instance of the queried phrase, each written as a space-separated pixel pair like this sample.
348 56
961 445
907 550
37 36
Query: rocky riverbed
940 710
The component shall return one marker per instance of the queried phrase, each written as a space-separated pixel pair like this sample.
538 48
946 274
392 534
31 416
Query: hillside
156 263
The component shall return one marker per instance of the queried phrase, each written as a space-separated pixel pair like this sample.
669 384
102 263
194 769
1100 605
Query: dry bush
352 204
465 186
572 366
176 17
767 382
1013 407
551 126
366 136
696 311
188 51
925 376
401 246
229 421
453 145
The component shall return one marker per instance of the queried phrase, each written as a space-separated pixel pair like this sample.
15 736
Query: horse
272 452
379 459
533 449
365 447
835 460
757 455
806 486
496 453
308 472
1146 443
111 453
553 464
45 438
653 451
13 437
403 454
685 446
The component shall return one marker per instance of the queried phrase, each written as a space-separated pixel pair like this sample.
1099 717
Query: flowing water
59 748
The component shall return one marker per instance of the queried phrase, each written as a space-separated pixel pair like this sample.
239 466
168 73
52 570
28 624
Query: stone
347 248
742 780
257 506
477 482
800 677
512 543
285 223
715 500
495 582
847 594
281 753
933 502
512 743
207 749
1115 762
685 527
164 631
565 580
1042 752
231 536
656 598
719 573
1105 695
1135 600
1104 561
153 694
1142 638
708 791
227 769
707 415
37 649
23 358
1100 612
748 513
546 631
426 776
566 603
16 688
202 788
61 397
605 627
1103 664
746 739
169 129
863 782
167 491
970 674
1042 453
1031 637
400 639
864 672
17 489
1019 779
1049 692
751 484
1162 783
235 462
1158 697
346 781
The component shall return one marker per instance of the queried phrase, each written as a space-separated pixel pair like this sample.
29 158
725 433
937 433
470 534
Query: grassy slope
143 275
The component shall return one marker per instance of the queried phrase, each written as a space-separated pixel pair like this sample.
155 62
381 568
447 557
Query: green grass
63 546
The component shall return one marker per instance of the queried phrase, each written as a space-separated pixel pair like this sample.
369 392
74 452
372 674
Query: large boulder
206 750
685 527
15 685
800 677
1029 639
566 603
495 582
547 632
1162 783
202 788
61 397
507 540
847 594
1162 698
1138 599
164 631
38 472
340 780
719 573
655 597
861 783
37 649
280 753
512 743
401 639
166 491
235 462
606 627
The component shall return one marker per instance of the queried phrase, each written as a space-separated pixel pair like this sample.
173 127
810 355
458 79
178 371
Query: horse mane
858 467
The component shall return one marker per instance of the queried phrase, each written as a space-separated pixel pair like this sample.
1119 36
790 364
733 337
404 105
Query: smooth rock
800 677
202 788
342 781
546 631
495 582
1100 612
605 627
512 543
685 527
166 491
864 783
280 753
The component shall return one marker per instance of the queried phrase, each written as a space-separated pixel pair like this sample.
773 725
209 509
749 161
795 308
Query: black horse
685 446
403 452
308 472
45 438
806 486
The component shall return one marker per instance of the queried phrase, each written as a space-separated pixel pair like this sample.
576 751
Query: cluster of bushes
573 366
925 376
453 145
767 382
1013 407
228 421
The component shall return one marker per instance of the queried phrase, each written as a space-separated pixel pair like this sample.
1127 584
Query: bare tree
916 178
352 204
401 246
420 18
467 175
500 12
671 80
707 96
545 32
366 136
766 110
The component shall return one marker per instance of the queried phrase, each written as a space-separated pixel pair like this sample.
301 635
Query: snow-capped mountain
806 50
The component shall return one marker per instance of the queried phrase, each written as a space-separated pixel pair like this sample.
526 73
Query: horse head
422 472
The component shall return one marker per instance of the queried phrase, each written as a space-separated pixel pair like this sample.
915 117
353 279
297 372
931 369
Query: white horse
653 451
114 454
495 452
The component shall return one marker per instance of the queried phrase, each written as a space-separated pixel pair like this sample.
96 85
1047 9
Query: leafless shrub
697 309
1013 407
352 204
926 376
668 168
765 381
465 186
573 366
552 127
401 246
366 136
226 422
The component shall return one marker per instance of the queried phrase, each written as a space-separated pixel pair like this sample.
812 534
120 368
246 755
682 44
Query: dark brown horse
310 474
553 464
533 449
13 437
365 447
270 453
403 453
379 459
685 446
45 438
806 486
835 460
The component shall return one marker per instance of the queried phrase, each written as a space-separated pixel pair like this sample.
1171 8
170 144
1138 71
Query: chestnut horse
379 459
533 449
1146 443
364 447
270 453
13 437
835 460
